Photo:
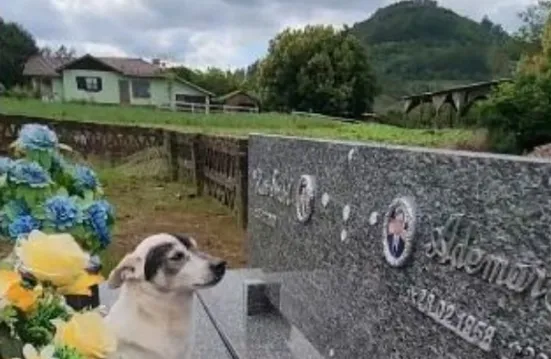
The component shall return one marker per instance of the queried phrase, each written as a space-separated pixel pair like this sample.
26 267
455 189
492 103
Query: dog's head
168 263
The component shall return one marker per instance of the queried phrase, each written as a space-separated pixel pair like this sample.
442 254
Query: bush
517 115
446 118
20 93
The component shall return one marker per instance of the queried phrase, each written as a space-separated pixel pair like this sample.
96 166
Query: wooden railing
207 108
216 165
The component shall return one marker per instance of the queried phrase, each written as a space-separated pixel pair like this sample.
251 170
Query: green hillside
418 46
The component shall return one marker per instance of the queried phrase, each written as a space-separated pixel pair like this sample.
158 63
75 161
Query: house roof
196 87
39 65
234 93
133 67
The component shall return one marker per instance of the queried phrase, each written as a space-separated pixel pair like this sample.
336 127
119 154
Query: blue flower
62 212
37 137
22 225
29 173
11 210
85 178
5 164
97 218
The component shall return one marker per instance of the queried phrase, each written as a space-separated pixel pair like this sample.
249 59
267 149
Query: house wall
162 92
57 87
108 94
180 88
241 100
48 88
158 90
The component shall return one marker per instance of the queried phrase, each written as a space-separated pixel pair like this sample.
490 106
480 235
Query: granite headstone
393 252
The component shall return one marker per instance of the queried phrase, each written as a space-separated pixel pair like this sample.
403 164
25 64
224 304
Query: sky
202 33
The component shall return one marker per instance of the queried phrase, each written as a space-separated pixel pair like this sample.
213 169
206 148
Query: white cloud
95 48
224 33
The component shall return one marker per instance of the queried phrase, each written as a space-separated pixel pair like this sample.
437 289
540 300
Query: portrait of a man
397 230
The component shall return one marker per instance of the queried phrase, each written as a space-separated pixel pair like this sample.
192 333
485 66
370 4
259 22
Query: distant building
238 98
110 80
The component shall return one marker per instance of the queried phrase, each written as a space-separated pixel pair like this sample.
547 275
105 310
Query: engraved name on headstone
423 258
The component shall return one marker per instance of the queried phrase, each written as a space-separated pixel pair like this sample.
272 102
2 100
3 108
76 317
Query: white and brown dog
152 317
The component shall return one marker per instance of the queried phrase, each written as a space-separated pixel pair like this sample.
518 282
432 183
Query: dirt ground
146 206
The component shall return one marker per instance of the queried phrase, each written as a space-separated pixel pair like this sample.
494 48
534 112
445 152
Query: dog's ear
188 241
129 268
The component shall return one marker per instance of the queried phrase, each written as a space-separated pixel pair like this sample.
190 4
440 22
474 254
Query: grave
372 251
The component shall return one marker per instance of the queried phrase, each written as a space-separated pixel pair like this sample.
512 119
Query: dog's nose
218 268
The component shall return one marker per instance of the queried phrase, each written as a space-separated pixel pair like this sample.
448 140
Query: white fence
208 108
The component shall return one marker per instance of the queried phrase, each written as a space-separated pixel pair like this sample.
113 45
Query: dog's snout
218 268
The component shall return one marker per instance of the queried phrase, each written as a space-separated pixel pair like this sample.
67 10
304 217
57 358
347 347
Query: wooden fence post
242 194
199 154
172 149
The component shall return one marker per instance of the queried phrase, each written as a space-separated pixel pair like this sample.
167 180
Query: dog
152 317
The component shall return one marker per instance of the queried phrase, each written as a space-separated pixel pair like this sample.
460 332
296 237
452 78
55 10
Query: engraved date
466 326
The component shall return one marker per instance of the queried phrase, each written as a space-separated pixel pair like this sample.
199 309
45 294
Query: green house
110 80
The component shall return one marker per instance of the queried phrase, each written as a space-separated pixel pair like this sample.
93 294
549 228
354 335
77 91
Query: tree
416 41
317 68
62 52
534 18
16 46
217 80
518 115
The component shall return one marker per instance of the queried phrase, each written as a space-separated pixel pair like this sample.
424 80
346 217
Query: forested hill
419 44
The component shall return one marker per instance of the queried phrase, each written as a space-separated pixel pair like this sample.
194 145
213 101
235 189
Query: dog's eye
178 256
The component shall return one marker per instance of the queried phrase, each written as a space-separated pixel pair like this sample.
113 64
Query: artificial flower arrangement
35 321
41 189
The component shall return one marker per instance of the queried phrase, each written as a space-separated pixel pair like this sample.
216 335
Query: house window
90 84
190 98
140 89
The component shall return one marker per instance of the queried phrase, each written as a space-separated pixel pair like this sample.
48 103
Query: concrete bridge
461 98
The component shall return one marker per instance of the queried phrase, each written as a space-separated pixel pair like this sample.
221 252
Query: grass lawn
239 124
146 206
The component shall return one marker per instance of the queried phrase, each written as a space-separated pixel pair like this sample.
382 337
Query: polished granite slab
398 252
264 334
207 343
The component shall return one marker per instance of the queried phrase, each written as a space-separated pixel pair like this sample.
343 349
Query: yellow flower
82 284
7 277
12 290
88 334
21 297
30 352
57 258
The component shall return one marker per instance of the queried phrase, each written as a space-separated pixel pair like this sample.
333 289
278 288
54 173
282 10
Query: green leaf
45 160
79 232
88 198
62 191
48 228
38 212
67 353
33 155
10 212
27 194
9 346
4 180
